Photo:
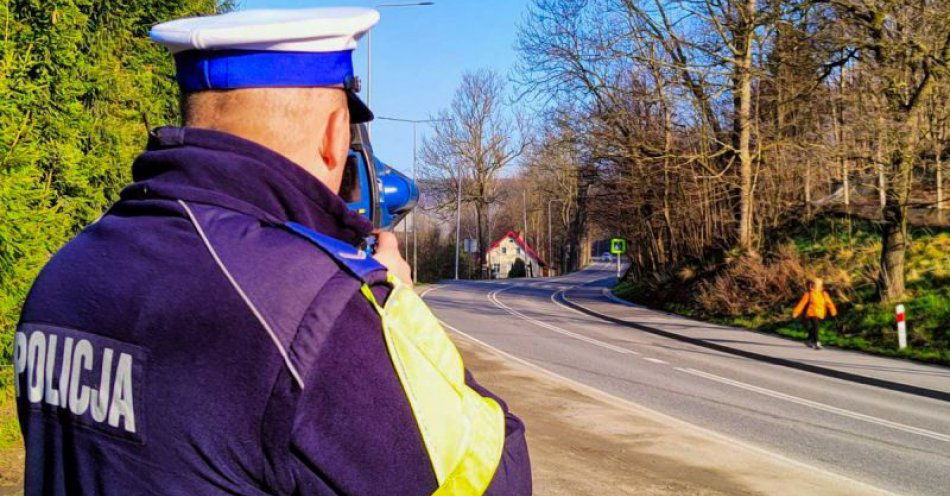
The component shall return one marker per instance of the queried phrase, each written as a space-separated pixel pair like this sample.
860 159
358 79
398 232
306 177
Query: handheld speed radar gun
370 187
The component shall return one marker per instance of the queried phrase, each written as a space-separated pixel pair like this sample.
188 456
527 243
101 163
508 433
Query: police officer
219 330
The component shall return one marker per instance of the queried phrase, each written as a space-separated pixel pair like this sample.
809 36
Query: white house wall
504 256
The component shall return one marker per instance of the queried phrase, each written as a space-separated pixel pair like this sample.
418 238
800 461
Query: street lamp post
458 222
369 48
415 251
524 199
550 244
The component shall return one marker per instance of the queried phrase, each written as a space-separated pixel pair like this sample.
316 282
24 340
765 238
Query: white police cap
269 48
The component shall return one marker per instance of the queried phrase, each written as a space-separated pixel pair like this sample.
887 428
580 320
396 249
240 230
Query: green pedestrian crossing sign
618 246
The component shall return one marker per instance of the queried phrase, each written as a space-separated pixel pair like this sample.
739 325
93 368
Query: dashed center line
654 360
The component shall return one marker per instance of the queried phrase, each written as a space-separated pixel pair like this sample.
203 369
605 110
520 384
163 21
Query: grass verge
758 292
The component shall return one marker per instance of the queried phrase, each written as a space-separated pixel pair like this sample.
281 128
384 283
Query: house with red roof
510 256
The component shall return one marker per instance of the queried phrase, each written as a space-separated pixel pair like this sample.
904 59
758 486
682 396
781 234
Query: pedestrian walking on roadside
816 304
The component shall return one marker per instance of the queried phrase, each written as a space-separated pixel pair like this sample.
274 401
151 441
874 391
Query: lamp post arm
369 51
415 238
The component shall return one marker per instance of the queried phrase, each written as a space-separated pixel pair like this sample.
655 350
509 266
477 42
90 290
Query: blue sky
419 55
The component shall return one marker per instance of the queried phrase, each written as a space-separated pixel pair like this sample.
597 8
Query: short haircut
281 104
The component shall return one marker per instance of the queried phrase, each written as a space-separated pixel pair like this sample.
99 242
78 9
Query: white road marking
428 290
819 406
493 297
624 403
578 312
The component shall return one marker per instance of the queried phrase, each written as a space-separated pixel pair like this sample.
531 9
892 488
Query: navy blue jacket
148 363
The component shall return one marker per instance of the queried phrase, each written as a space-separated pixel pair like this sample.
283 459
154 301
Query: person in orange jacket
815 303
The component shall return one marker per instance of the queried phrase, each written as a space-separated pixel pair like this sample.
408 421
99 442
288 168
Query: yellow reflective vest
463 431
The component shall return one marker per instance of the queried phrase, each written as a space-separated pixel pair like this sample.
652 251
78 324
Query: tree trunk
744 117
838 122
808 189
667 153
894 238
576 231
893 247
938 172
879 159
846 184
481 233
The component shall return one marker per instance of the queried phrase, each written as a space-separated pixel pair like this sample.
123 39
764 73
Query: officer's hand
387 253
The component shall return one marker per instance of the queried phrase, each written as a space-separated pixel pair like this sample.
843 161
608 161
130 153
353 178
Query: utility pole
458 222
405 238
369 70
415 229
524 235
524 202
550 243
618 267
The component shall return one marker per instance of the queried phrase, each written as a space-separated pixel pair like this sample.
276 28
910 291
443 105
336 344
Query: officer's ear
336 144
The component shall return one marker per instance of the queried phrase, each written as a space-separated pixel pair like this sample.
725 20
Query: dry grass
749 284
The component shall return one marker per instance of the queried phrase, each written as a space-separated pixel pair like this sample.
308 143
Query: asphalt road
889 439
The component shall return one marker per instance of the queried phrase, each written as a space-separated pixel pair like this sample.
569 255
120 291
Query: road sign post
618 246
901 328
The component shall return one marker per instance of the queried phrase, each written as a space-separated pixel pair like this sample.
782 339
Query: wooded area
705 132
702 126
691 127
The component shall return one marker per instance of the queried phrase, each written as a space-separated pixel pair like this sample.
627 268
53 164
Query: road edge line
919 431
784 362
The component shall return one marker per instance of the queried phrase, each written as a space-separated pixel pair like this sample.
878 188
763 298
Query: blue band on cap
230 69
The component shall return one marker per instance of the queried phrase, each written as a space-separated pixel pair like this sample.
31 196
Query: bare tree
699 126
478 138
593 51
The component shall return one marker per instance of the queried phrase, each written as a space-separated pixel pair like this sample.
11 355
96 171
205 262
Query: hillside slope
758 292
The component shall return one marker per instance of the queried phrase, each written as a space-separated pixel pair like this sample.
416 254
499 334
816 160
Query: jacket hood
218 168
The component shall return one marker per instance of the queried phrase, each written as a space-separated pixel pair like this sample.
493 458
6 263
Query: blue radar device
375 190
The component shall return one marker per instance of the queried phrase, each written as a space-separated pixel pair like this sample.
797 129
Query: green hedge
79 81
